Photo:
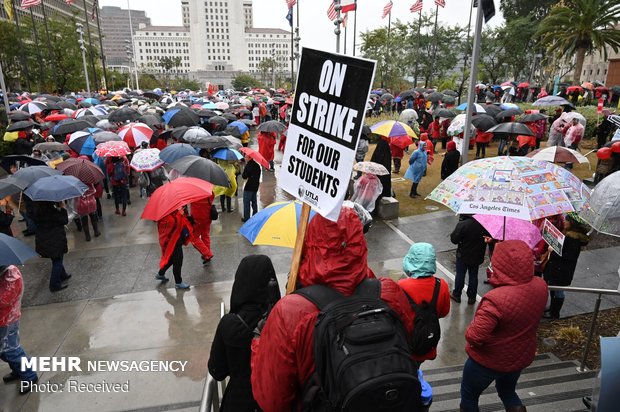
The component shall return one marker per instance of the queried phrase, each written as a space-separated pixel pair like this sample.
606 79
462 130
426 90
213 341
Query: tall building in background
117 34
153 43
248 16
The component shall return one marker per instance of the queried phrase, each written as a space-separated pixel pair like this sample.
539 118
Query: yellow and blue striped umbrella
276 225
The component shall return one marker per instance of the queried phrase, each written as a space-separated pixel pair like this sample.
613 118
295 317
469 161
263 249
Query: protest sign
326 122
553 237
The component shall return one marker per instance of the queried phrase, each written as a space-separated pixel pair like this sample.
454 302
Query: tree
242 81
536 9
577 27
168 63
266 67
183 83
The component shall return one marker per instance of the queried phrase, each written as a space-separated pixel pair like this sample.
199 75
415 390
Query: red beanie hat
451 146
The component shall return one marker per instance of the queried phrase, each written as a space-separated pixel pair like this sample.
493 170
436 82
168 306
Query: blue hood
420 261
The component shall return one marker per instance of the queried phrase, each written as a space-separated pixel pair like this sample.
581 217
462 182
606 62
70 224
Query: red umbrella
83 169
254 155
178 193
136 133
524 84
56 117
401 141
574 89
112 148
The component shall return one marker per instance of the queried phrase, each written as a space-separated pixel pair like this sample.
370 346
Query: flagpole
90 44
5 97
49 48
22 57
337 23
354 27
415 76
387 56
430 75
345 38
36 45
467 52
292 51
105 70
133 47
475 55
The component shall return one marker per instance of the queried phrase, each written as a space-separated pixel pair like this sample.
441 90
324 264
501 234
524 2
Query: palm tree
577 27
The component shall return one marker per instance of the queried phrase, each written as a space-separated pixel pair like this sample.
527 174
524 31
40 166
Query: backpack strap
369 287
433 303
320 295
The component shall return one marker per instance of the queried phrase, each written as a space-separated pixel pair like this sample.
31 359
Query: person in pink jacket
501 339
11 351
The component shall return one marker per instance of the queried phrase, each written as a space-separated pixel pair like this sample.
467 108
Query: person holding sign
560 269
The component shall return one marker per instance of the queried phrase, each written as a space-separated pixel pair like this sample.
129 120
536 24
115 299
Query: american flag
290 3
331 12
387 9
29 3
440 3
417 7
344 20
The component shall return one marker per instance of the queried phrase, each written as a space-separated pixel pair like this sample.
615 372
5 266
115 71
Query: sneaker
471 301
161 278
457 299
181 285
118 212
57 288
124 213
10 377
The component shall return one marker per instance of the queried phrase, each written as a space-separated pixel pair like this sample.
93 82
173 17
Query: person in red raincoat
335 254
482 141
397 156
266 144
201 212
434 130
174 231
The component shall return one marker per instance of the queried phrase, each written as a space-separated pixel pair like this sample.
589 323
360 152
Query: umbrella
615 119
194 134
239 125
31 174
457 126
232 130
558 154
508 228
399 133
105 136
209 105
517 187
256 156
150 119
272 126
51 147
483 122
448 114
56 117
449 99
227 153
574 89
533 117
178 193
478 108
83 142
615 89
372 168
176 151
56 189
33 107
450 93
276 225
603 213
407 115
180 116
151 95
508 106
218 120
20 125
135 133
11 185
17 115
435 97
205 113
69 126
14 251
124 114
91 111
407 94
492 109
146 160
221 105
92 101
587 85
230 117
551 101
83 169
201 168
387 96
574 115
112 149
507 113
510 129
489 95
524 84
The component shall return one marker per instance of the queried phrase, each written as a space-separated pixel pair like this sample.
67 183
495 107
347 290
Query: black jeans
121 193
225 201
176 261
481 148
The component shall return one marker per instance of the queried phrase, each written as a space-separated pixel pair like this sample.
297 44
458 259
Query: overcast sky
316 30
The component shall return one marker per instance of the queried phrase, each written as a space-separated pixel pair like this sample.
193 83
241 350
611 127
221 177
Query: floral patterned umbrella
112 149
146 160
457 126
517 187
371 167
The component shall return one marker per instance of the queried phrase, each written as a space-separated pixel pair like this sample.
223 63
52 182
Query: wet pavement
113 308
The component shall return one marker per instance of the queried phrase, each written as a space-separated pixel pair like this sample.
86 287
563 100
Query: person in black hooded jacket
254 293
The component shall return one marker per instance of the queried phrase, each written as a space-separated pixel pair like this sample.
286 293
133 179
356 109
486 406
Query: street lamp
131 51
80 31
273 64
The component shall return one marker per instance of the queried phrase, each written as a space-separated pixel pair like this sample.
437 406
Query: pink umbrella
135 133
508 228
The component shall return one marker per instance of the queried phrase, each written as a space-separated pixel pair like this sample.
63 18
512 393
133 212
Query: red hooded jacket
335 254
11 289
170 229
502 335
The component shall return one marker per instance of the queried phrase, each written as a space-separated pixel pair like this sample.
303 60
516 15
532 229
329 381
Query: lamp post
80 31
273 65
130 57
133 46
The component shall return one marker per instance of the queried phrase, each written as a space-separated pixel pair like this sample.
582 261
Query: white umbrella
572 115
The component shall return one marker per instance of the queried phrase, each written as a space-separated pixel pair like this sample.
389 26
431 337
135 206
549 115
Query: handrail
210 396
597 306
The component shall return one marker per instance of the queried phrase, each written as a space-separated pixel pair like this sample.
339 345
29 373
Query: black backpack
426 330
361 352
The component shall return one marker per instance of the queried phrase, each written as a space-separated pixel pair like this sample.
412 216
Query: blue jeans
58 273
11 351
249 198
476 378
459 280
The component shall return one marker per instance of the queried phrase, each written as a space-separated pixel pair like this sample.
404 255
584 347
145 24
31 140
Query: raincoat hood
420 261
513 263
335 253
251 286
451 146
11 289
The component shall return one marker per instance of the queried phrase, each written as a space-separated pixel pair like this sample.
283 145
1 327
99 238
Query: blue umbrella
176 151
227 154
209 105
168 115
14 251
507 106
31 174
56 189
240 125
92 101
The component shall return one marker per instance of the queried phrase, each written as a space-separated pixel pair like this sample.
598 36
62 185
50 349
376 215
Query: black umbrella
450 93
420 90
69 126
19 115
449 99
91 119
211 142
206 113
50 147
489 95
230 117
407 94
218 120
615 89
181 116
21 125
109 103
534 117
124 114
151 95
201 168
387 96
435 97
506 113
448 114
272 126
9 160
233 131
177 132
492 109
150 119
510 129
67 105
483 122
